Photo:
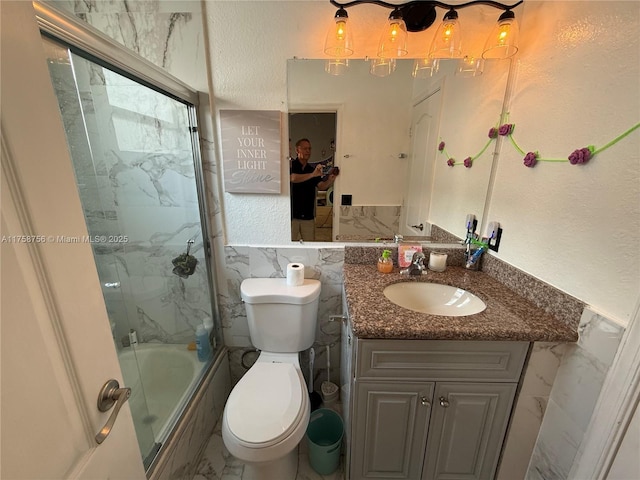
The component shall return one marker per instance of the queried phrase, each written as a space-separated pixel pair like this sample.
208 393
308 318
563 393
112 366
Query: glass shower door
133 156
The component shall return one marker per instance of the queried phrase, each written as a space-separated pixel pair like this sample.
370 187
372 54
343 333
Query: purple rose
580 156
493 132
506 129
468 162
451 162
530 159
441 146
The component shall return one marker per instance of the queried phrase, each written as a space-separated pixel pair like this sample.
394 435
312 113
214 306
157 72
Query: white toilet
267 412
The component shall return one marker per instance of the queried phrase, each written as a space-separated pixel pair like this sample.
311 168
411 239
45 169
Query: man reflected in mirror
305 178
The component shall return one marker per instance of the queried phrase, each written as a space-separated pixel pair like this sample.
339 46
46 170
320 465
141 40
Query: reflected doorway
320 129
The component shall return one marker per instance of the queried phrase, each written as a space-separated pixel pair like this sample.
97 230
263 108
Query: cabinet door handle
444 402
425 401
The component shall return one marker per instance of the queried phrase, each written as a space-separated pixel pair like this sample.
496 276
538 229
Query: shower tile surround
140 182
161 307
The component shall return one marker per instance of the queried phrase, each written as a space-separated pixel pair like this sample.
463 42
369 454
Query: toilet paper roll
295 274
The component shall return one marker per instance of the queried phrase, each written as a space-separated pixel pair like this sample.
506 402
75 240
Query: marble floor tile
217 463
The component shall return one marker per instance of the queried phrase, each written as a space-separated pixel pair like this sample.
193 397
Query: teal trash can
324 436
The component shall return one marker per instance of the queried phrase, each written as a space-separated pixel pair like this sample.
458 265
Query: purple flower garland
530 159
582 155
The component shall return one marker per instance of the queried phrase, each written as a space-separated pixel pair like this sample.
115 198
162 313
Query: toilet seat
266 405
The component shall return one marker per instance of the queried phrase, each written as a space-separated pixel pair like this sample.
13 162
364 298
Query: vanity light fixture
339 43
382 67
336 66
503 40
393 41
470 66
417 16
447 42
425 67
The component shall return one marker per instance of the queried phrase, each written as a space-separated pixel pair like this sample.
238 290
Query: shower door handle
111 394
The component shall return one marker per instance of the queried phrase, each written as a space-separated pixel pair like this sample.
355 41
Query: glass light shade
336 66
339 42
425 67
382 67
393 41
447 42
503 40
470 66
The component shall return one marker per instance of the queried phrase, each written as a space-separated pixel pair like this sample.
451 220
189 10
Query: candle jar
437 261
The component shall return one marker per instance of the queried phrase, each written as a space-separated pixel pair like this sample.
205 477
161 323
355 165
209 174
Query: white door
424 137
57 350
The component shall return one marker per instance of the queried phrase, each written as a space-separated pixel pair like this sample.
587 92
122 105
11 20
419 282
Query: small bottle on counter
385 264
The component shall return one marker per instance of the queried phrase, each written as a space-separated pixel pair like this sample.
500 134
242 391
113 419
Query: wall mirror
392 176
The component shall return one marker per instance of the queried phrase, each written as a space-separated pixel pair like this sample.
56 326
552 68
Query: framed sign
251 151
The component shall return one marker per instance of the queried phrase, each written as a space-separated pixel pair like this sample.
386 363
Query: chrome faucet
417 266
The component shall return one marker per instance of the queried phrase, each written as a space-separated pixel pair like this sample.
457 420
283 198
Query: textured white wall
250 43
575 226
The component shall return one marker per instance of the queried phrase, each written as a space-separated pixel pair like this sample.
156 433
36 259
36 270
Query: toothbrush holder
476 264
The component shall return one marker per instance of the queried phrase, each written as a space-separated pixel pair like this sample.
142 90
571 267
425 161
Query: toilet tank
281 318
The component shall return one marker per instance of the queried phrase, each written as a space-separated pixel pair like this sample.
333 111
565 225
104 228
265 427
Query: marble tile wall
573 397
168 34
324 264
365 220
541 370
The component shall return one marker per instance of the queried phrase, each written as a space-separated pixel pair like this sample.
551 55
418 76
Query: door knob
111 394
419 227
444 402
425 401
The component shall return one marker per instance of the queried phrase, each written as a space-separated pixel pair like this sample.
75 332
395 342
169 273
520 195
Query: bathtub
162 378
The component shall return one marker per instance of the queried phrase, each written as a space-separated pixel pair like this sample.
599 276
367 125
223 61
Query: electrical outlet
493 235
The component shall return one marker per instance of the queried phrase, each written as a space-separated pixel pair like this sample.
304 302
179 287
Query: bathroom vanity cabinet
427 409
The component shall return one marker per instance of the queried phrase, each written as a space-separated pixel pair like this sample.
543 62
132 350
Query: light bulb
448 31
503 32
341 28
394 31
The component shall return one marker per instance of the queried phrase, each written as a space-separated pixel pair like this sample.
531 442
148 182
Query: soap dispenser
385 264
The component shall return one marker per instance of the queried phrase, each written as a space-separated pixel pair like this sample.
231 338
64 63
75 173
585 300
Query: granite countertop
508 316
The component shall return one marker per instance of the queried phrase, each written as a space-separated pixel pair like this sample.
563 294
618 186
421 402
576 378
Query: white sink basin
434 299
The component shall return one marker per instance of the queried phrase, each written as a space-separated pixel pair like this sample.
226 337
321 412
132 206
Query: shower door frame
88 42
82 38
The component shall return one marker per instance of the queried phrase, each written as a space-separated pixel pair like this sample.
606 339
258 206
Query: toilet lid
266 404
